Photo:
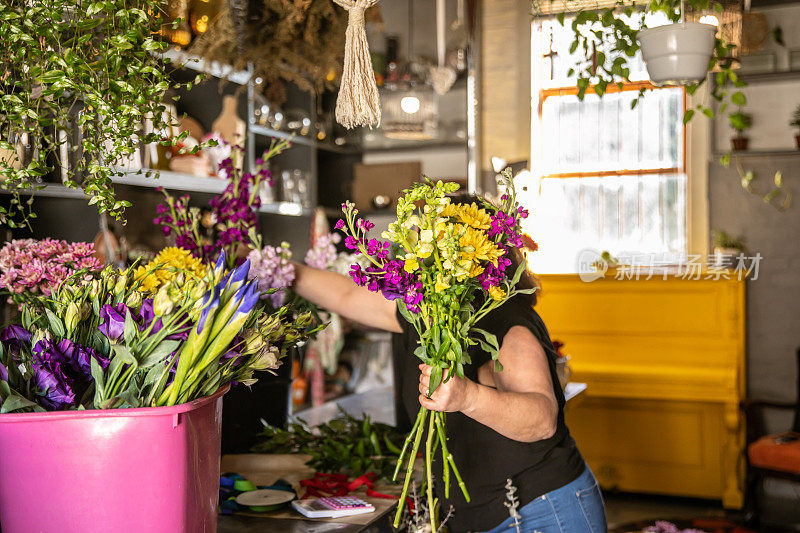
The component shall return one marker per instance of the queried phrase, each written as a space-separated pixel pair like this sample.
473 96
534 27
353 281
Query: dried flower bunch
283 40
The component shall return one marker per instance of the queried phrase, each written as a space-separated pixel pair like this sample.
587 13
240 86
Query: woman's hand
454 395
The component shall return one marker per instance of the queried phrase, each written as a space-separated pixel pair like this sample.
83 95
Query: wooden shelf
182 59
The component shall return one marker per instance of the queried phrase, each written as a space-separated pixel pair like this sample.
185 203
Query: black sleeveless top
485 458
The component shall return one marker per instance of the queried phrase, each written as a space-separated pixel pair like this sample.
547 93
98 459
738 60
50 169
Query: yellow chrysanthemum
497 293
476 246
469 214
172 262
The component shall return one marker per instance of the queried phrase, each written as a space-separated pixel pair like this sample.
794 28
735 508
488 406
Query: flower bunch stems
449 268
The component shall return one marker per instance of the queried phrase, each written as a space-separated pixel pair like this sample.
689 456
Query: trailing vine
80 79
607 41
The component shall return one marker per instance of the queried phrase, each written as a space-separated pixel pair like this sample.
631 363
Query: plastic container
677 53
152 469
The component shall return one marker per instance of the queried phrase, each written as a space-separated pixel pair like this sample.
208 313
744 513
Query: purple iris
248 296
210 304
113 321
3 373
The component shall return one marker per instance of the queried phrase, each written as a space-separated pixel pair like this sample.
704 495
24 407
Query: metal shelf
286 208
172 180
765 77
276 134
51 190
187 182
183 59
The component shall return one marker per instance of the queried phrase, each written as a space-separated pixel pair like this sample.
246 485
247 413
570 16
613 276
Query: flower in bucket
32 266
450 269
110 341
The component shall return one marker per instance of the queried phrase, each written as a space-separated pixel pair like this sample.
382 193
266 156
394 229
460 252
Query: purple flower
3 373
15 337
358 275
351 243
147 315
113 321
80 357
339 224
62 371
54 386
364 224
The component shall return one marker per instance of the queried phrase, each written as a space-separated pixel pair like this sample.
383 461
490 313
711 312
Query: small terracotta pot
739 143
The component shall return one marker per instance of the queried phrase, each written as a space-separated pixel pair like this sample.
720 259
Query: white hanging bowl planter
677 53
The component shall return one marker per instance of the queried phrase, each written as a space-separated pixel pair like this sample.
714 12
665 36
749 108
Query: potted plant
677 53
726 249
796 123
98 65
740 122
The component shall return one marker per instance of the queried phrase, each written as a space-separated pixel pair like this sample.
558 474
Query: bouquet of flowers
32 266
165 333
449 270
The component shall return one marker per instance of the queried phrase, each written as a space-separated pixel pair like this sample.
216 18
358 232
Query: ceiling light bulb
409 104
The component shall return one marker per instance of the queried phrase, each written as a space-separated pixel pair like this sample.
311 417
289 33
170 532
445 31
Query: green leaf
435 380
708 112
123 353
16 402
56 326
738 98
161 352
688 116
131 329
99 378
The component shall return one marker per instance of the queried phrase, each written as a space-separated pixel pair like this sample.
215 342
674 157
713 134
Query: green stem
445 453
408 440
410 467
429 470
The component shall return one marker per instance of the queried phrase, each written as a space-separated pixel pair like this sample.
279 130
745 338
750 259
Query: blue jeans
577 507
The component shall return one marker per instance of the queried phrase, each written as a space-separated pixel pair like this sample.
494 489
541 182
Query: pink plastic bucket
135 470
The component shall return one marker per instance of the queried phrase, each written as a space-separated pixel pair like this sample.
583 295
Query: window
604 175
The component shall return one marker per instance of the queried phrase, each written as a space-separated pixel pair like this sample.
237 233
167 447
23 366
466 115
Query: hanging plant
608 39
279 41
80 79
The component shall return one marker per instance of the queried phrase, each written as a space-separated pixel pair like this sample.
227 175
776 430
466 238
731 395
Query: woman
502 426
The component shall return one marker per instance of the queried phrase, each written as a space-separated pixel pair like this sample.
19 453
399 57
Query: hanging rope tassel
358 103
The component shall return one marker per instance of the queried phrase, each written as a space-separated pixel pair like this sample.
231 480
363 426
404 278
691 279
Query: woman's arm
339 294
522 407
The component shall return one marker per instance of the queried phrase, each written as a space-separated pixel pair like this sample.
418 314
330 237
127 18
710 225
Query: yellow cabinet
664 359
